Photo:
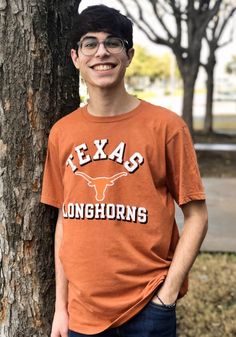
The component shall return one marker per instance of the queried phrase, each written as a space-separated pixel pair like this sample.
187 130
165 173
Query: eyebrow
95 37
89 37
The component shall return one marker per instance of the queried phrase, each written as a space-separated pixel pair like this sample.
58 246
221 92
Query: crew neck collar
110 119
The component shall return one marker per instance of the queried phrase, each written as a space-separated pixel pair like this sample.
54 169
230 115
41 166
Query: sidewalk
221 202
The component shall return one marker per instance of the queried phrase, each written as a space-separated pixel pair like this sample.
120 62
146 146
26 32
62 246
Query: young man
114 169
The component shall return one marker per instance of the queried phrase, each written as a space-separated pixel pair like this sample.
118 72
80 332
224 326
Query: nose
101 51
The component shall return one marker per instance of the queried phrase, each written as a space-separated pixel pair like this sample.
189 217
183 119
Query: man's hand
60 324
194 231
165 297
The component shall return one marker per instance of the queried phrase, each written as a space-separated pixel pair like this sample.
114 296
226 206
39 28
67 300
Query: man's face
106 65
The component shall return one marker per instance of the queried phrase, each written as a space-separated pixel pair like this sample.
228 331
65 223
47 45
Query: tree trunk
189 71
37 86
187 109
208 121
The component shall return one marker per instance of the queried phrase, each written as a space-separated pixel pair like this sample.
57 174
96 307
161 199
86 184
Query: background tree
183 25
37 86
231 66
213 37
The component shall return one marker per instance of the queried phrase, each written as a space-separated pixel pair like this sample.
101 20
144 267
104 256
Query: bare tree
213 36
183 24
35 90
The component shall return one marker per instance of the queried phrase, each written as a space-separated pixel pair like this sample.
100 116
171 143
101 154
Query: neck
110 102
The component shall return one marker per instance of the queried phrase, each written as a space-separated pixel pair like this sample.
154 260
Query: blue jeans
153 320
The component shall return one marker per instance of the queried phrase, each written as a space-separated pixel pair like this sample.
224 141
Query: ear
75 58
130 54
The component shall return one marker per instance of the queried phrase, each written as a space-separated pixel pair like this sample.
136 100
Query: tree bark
208 121
38 85
189 68
187 108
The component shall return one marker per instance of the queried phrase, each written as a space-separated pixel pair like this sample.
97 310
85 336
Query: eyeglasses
114 45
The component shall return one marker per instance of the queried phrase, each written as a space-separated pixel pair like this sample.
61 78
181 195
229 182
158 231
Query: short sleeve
52 188
183 176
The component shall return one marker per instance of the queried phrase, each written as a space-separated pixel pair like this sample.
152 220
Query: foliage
147 64
231 66
145 95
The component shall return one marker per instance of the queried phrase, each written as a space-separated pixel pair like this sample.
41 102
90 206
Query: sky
224 54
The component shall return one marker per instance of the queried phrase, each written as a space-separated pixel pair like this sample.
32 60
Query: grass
209 308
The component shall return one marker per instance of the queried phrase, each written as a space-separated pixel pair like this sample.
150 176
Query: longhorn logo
100 184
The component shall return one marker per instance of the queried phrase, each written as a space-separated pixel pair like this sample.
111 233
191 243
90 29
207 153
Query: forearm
61 281
60 321
194 231
61 288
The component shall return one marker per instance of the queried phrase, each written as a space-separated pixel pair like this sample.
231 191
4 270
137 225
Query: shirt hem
192 197
123 318
50 202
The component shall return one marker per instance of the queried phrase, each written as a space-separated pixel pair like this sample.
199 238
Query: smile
103 67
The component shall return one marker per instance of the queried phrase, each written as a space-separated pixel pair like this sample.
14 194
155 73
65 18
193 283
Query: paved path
215 147
221 202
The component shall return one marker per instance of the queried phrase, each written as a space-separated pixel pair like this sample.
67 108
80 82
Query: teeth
102 67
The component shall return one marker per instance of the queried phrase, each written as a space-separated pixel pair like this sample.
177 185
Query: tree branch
213 42
203 6
144 26
202 24
163 6
178 18
231 13
204 65
137 22
141 17
225 43
159 18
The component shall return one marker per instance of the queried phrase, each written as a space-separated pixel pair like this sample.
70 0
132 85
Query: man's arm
194 231
60 320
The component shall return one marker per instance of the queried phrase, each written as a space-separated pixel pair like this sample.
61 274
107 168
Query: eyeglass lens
90 45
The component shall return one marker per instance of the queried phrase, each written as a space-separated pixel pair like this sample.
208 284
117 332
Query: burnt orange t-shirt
116 179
